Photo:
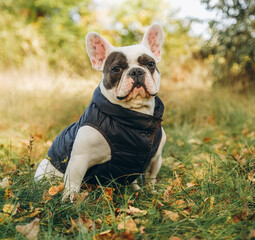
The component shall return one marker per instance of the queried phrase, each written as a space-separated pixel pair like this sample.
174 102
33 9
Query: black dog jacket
132 136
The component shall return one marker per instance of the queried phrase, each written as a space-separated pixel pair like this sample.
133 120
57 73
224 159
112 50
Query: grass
205 186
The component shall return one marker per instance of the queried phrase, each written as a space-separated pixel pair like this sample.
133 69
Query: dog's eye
117 69
150 64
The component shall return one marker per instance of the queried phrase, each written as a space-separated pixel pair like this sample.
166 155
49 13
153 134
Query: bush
232 42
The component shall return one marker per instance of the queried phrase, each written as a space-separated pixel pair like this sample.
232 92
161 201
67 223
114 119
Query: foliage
233 39
37 33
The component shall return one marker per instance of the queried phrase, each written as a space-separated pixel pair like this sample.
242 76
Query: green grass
210 143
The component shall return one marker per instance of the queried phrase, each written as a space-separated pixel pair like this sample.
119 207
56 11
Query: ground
205 186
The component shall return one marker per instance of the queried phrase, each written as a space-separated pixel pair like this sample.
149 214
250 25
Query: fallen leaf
180 203
157 203
142 230
189 185
8 193
251 176
30 230
137 211
251 234
46 196
3 217
82 222
56 189
82 196
207 139
246 131
211 120
109 234
10 208
128 224
174 238
172 215
108 193
177 182
104 235
5 183
167 196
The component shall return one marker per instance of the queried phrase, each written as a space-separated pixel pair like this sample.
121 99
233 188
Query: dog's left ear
98 49
153 39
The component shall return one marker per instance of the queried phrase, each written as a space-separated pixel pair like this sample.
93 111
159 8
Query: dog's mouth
137 90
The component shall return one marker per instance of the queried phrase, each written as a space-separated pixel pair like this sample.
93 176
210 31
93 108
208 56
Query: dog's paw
69 194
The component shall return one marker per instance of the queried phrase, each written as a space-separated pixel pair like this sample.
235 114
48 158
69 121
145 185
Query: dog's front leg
155 164
76 170
89 148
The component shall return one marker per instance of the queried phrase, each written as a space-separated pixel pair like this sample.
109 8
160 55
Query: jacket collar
129 117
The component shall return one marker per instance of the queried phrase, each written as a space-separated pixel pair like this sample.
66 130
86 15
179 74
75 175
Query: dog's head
129 73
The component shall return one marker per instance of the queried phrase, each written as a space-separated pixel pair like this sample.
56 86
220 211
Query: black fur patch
115 59
144 60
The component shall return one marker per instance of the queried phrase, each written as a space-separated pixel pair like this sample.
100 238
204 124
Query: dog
119 136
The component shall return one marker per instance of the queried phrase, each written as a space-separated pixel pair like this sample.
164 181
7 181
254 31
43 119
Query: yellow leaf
30 230
56 189
172 215
10 208
128 224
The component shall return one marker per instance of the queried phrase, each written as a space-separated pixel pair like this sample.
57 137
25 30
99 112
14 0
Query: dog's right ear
98 49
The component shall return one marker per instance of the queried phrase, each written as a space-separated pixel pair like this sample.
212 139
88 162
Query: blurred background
46 79
49 35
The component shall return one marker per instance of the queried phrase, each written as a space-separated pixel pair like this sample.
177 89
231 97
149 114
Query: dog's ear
153 39
98 49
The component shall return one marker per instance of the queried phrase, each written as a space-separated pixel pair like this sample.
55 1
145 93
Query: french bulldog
119 136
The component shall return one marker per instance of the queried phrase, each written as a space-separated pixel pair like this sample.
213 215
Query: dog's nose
138 75
136 72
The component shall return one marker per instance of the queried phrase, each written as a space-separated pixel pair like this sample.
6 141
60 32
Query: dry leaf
142 230
81 196
246 131
207 139
30 230
108 193
56 189
168 193
174 238
251 234
84 222
172 215
46 196
104 235
8 193
128 224
180 203
137 211
189 185
3 217
10 208
157 203
177 182
5 183
251 176
109 234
